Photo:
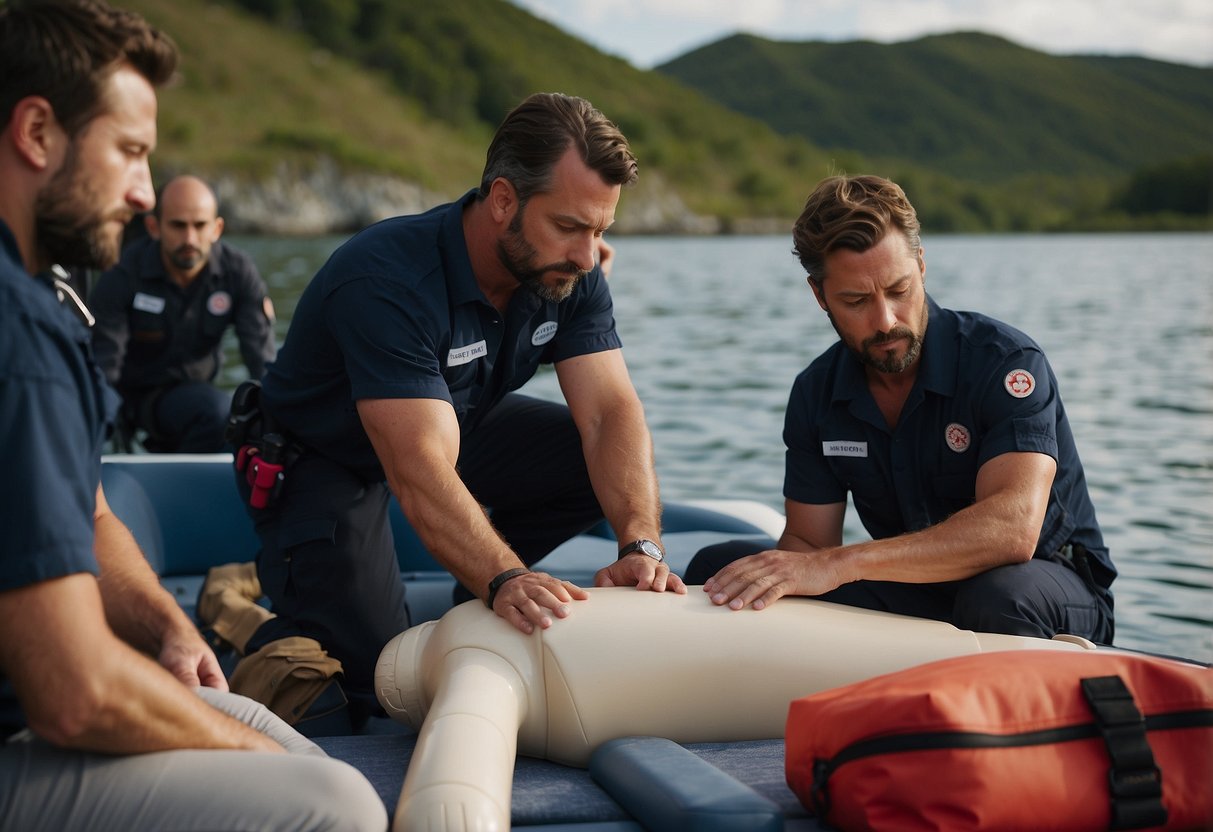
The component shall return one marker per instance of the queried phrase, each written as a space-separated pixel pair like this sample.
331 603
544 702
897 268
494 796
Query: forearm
253 321
417 442
985 535
83 687
619 457
1002 526
451 524
139 610
142 708
256 348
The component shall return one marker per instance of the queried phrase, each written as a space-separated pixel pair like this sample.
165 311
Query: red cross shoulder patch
1019 383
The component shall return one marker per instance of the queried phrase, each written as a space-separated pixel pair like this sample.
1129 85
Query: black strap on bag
244 419
1134 780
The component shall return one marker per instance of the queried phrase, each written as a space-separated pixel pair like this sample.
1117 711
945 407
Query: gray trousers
45 787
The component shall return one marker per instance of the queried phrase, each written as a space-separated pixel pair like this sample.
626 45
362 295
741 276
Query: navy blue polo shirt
151 332
983 389
396 313
55 409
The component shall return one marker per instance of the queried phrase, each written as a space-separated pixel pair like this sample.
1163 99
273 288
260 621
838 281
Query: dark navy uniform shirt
396 313
55 412
983 389
151 332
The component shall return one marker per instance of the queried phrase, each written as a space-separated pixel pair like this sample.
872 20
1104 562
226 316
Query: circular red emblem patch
219 303
958 437
1019 383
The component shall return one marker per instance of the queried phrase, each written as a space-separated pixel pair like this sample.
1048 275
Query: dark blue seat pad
548 793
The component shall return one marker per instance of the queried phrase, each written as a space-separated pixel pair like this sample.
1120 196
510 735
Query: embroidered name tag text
839 447
463 355
148 303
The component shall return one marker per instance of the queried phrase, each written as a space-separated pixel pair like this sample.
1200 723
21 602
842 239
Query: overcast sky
650 32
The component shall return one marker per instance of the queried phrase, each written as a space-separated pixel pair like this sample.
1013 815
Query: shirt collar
461 280
9 244
937 364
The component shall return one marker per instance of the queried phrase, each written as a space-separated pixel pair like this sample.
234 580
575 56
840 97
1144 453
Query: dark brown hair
851 212
538 132
66 50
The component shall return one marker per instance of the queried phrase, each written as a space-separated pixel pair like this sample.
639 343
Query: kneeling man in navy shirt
948 431
399 376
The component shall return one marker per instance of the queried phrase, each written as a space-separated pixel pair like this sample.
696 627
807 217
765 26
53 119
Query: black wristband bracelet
499 582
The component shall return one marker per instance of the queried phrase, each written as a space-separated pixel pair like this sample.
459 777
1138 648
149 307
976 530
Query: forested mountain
411 90
972 105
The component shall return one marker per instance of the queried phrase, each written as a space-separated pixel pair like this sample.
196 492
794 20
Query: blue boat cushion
129 502
667 787
198 507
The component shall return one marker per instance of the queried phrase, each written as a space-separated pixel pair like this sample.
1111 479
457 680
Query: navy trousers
187 418
328 563
1039 598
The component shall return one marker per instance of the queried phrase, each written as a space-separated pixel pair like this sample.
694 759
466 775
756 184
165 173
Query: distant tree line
1184 187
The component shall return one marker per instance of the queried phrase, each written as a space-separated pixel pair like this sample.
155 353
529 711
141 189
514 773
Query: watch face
651 549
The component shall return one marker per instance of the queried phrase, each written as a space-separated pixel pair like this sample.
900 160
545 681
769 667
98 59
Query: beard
186 257
870 354
68 229
518 256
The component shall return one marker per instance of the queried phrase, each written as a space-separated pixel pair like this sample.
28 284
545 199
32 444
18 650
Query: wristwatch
646 547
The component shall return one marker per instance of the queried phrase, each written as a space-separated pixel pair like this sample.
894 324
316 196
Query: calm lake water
715 330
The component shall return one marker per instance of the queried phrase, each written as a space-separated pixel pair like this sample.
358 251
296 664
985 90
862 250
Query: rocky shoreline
326 200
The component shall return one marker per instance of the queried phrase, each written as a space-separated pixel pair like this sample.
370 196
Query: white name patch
842 448
148 303
463 355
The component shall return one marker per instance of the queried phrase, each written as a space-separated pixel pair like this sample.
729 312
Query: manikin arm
477 708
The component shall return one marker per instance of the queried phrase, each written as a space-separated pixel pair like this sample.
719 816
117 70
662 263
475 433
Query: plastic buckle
264 478
1135 783
243 455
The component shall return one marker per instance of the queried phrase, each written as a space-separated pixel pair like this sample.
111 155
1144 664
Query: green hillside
973 106
413 89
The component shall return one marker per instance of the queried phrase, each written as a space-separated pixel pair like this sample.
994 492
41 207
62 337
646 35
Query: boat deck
185 513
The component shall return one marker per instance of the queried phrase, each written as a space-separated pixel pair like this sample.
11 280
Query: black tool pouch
244 420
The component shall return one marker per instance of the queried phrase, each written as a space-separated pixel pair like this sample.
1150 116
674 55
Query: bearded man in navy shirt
948 432
399 376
